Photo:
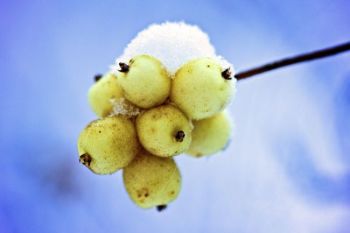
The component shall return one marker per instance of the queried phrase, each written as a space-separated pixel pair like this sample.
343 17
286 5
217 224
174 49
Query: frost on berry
123 107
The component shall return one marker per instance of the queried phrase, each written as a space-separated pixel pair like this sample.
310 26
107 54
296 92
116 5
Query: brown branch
294 60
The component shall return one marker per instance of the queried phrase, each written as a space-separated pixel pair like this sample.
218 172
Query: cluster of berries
148 116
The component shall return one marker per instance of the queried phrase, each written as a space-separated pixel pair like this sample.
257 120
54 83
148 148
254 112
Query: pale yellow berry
102 94
210 135
145 81
108 144
152 181
164 131
201 88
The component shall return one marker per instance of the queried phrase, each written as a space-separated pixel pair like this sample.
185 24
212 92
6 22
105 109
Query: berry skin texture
101 94
164 131
152 181
145 81
210 135
200 90
108 144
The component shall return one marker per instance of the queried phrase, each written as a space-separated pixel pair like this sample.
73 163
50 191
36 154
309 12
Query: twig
294 60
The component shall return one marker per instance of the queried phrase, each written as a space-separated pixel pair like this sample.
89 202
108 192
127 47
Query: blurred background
287 168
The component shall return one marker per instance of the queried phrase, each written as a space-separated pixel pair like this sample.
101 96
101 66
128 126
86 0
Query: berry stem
294 60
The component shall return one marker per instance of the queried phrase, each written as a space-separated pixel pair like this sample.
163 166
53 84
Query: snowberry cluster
149 113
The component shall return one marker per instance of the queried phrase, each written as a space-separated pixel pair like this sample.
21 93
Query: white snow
173 43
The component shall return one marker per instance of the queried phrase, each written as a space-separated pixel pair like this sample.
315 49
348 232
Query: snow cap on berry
173 43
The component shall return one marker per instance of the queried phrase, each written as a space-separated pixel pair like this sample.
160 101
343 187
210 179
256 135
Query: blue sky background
286 170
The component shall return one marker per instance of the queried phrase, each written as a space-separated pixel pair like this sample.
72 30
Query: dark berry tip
180 135
85 159
97 77
227 74
161 207
123 67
